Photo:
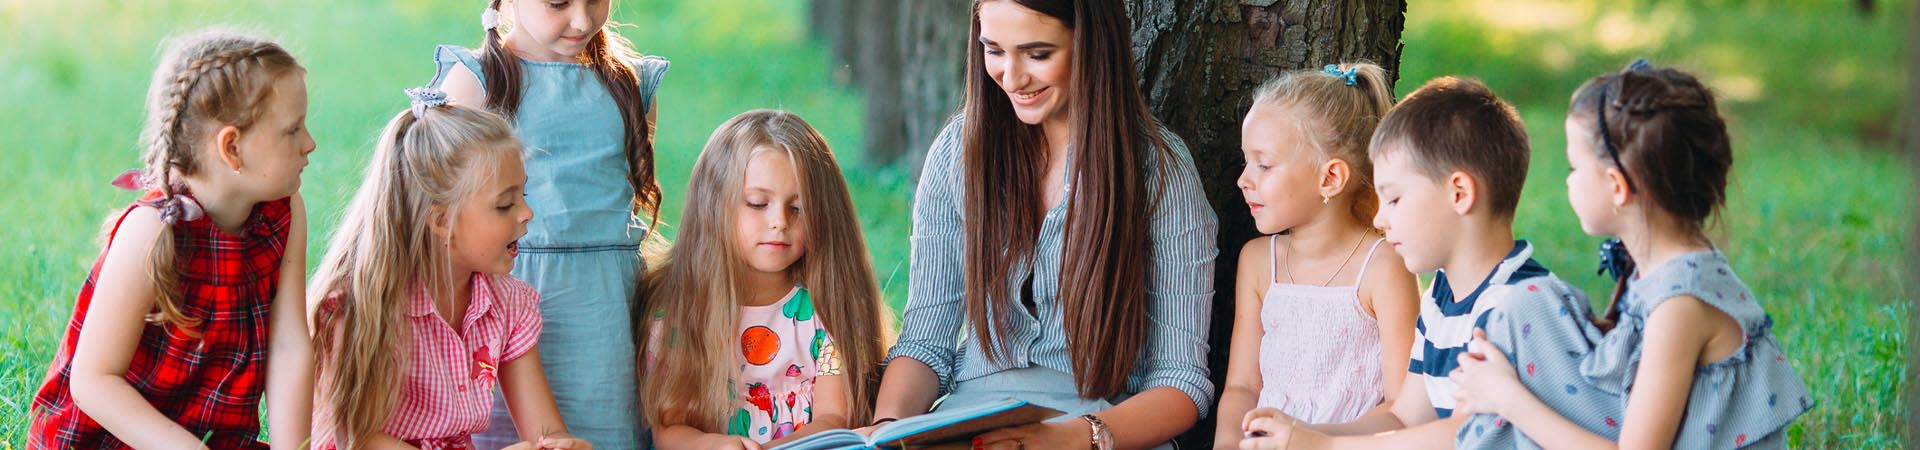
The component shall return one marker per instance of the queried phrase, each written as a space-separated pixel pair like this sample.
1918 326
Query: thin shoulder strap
445 56
1273 259
1369 260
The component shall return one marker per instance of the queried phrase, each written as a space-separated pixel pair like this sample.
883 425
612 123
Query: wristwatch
1102 437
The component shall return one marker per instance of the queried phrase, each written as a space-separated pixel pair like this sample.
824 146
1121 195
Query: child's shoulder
512 292
1256 260
1542 294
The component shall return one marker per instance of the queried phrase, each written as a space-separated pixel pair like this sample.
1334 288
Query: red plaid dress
210 385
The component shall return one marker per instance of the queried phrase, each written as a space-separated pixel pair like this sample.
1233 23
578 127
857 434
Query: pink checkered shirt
450 374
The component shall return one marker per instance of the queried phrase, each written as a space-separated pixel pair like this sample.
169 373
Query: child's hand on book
1071 434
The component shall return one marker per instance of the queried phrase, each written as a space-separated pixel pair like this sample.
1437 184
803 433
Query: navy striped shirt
1446 324
1179 283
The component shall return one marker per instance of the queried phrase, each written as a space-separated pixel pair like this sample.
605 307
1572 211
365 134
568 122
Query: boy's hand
1487 380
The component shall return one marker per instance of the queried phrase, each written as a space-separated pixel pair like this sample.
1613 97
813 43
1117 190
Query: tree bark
1198 60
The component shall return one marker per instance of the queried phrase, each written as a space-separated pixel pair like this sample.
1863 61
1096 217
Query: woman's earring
1325 199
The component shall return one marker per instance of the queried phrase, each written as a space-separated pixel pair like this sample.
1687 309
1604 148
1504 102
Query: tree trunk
908 57
1198 60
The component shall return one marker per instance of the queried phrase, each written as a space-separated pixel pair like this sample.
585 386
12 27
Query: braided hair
209 77
1661 128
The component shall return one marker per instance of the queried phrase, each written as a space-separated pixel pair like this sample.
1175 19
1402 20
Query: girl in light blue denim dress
1649 160
584 109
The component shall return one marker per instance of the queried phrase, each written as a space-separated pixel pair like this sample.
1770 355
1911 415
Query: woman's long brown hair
1107 248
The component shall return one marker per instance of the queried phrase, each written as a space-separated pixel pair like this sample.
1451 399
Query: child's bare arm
830 408
530 401
122 296
1675 340
1393 296
1243 383
290 354
1410 408
682 437
463 87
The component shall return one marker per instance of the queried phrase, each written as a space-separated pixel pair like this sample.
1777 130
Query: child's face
486 234
555 30
1590 182
273 152
1416 212
769 232
1029 55
1281 181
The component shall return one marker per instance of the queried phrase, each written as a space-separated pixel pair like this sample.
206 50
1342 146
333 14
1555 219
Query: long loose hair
694 292
421 167
1103 274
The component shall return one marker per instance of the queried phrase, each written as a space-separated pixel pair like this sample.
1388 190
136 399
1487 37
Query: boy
1449 164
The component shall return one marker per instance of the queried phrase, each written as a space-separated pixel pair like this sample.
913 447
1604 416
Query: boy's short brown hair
1458 124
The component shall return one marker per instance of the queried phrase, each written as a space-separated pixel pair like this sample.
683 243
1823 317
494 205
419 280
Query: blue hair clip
1347 75
1639 64
426 97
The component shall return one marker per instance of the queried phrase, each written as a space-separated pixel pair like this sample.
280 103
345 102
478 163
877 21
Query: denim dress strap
650 70
445 56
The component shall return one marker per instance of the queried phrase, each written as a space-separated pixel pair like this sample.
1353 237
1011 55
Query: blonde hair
1337 118
695 294
210 77
420 171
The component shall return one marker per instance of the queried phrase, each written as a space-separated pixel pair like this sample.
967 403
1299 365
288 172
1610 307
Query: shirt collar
420 302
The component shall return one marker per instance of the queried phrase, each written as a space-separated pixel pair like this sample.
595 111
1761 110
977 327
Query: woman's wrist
1099 437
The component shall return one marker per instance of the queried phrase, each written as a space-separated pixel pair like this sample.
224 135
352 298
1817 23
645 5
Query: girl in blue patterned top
583 103
1690 360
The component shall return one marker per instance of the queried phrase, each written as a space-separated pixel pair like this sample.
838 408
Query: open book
930 428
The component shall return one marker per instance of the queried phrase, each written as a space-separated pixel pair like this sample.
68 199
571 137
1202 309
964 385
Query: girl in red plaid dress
416 317
199 290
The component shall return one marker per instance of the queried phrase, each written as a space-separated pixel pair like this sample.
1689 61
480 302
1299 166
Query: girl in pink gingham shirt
416 320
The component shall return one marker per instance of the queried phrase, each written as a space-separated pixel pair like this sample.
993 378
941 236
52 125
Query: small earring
1326 199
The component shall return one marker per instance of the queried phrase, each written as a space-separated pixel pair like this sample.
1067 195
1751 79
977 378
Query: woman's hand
1066 435
1488 382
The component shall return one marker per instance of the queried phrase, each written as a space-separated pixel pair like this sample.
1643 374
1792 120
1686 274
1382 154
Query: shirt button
463 387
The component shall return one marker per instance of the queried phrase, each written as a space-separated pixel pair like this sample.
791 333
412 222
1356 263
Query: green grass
1818 214
73 76
1816 222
